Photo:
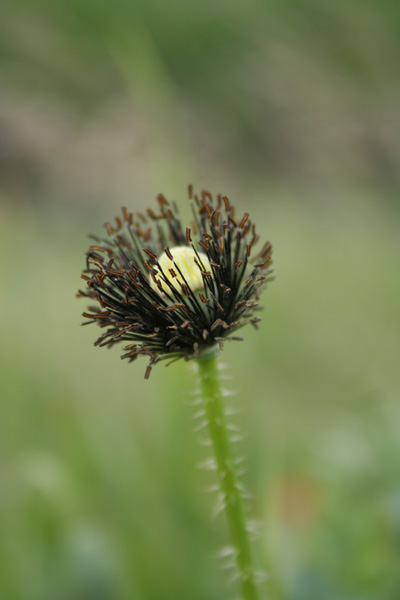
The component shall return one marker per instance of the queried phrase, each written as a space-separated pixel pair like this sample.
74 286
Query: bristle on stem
230 498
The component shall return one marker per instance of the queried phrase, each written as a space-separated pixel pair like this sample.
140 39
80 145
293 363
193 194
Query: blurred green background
292 110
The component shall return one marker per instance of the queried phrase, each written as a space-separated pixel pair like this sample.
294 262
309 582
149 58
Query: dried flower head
169 291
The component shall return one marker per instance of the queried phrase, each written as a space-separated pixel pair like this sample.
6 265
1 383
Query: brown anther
203 299
226 289
153 256
207 208
205 194
162 200
152 215
168 253
215 218
240 304
215 324
110 230
203 245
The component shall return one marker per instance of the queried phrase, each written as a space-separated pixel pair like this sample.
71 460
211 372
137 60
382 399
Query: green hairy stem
228 480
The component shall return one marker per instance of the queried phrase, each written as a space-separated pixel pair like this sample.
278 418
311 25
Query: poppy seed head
169 291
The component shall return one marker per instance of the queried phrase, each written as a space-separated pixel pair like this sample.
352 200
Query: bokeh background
292 110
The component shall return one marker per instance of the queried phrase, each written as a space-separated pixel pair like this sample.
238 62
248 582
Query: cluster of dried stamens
169 291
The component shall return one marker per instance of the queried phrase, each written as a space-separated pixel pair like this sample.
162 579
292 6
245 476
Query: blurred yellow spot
182 267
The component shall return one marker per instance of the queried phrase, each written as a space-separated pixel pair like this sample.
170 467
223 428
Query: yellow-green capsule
184 260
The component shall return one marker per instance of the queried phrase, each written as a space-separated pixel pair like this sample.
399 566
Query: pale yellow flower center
183 259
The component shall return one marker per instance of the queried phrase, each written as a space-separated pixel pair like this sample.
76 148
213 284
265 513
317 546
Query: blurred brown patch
297 500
